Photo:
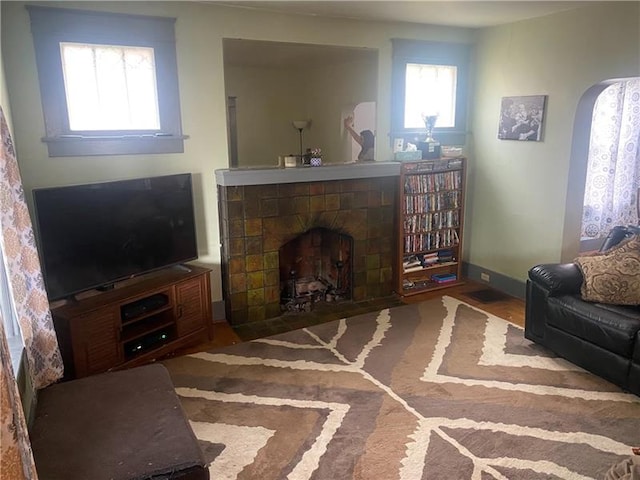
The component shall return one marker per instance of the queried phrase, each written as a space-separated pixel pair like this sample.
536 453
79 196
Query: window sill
446 137
70 146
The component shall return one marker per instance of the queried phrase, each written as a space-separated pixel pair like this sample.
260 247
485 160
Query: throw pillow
613 276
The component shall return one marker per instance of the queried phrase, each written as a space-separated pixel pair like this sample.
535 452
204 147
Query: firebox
315 267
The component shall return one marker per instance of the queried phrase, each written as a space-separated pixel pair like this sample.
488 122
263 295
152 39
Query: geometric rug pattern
437 390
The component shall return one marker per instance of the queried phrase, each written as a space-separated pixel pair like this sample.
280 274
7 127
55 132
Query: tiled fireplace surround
256 219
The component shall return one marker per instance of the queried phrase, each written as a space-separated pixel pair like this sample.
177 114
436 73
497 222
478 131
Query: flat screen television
91 236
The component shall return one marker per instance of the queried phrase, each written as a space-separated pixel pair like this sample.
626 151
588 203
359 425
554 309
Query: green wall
517 190
517 193
200 28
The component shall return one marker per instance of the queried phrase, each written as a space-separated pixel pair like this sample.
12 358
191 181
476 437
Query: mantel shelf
232 177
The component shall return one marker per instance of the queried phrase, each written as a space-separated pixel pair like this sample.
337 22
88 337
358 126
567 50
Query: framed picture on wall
521 118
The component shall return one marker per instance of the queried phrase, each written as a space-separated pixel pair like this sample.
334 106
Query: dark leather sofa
601 338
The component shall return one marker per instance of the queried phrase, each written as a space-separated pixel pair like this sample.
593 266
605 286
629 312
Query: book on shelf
443 282
416 268
413 263
444 277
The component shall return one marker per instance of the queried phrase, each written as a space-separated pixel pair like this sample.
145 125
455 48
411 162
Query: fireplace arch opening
316 266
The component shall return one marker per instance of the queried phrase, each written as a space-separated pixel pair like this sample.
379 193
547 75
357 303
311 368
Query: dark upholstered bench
124 425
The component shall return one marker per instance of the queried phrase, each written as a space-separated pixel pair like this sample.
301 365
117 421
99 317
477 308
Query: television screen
93 235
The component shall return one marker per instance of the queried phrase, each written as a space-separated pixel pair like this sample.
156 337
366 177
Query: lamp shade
301 124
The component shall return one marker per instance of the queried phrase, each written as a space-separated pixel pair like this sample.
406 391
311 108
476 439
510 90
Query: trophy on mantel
430 146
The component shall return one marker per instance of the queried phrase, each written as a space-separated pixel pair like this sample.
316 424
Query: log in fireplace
315 267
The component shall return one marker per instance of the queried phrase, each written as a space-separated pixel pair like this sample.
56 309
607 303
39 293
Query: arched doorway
613 166
583 131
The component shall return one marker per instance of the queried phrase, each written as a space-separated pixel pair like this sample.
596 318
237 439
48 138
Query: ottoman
124 425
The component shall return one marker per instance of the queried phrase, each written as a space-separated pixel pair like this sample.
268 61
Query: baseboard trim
508 285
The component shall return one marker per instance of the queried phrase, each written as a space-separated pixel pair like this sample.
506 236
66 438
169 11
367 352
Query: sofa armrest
557 278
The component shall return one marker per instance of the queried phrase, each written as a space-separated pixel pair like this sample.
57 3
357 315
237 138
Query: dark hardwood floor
509 308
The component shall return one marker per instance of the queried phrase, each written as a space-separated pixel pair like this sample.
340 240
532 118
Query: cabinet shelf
144 316
429 268
433 250
422 232
141 329
431 191
444 190
429 286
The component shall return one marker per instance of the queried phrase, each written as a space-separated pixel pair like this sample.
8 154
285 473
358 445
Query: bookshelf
431 217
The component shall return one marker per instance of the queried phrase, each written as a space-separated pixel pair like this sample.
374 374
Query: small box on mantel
407 156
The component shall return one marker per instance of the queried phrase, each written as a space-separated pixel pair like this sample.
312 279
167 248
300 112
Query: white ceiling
471 14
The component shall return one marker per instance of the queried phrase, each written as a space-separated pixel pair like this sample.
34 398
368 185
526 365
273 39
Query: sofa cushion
612 327
613 276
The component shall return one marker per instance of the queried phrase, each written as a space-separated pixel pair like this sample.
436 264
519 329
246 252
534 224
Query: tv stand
136 323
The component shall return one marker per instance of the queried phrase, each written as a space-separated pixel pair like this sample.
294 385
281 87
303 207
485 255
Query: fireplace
283 234
315 267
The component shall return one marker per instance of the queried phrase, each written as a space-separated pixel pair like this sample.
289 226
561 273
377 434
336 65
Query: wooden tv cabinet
137 322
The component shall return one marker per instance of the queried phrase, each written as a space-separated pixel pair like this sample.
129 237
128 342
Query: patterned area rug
437 390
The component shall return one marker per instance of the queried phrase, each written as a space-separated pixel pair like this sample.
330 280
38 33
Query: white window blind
430 90
110 87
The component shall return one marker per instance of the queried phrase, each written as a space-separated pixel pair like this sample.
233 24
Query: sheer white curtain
613 172
430 90
110 87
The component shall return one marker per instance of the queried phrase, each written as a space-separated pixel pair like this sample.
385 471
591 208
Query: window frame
429 53
50 26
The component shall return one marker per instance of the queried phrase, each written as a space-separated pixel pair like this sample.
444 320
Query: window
10 318
108 82
110 87
429 78
430 90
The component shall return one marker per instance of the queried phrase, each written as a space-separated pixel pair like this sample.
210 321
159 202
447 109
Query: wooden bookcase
136 323
430 221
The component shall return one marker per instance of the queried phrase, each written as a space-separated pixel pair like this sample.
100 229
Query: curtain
26 285
16 459
613 171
